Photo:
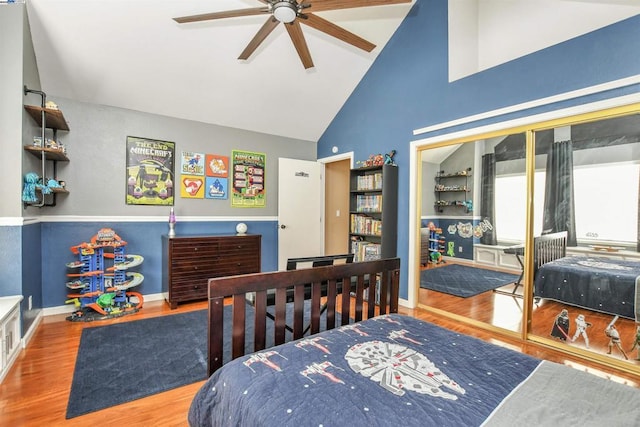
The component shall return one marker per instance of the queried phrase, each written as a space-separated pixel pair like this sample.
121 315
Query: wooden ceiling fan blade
222 15
320 5
321 24
295 32
262 34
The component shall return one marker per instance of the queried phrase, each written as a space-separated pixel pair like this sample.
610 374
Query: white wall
502 30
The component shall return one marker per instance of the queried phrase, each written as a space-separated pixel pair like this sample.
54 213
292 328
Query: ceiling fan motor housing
285 11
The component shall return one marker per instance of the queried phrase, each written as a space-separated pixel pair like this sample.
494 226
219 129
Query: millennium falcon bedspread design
391 369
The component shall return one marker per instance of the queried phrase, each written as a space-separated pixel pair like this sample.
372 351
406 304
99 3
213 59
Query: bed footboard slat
239 312
298 310
384 289
332 290
280 323
216 344
345 301
316 292
359 298
260 321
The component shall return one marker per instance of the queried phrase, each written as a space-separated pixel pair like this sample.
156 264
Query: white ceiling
131 54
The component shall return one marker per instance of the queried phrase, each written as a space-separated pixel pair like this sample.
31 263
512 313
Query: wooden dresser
188 262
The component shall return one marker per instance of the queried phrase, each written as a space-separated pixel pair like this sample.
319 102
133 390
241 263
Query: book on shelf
364 250
362 224
370 182
369 203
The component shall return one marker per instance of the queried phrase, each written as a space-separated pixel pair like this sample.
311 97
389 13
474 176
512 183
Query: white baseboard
404 303
32 330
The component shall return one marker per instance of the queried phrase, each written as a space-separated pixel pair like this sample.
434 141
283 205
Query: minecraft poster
248 178
150 172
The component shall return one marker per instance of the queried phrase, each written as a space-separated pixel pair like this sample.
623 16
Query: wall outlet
460 249
30 303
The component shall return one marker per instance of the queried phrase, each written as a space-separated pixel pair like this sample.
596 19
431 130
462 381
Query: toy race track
102 291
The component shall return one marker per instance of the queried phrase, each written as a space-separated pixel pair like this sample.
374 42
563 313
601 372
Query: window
606 204
510 199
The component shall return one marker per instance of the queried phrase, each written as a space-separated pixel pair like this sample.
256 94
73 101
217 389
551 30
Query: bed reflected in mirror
586 185
473 230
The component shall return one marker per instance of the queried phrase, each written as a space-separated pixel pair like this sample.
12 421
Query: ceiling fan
291 13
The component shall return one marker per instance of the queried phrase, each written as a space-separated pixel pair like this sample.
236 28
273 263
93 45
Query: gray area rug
127 361
463 281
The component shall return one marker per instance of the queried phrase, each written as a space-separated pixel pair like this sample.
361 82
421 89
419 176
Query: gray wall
12 22
96 147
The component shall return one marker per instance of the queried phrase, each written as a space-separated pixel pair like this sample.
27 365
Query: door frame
323 162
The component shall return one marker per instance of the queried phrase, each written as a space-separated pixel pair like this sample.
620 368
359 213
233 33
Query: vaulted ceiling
133 55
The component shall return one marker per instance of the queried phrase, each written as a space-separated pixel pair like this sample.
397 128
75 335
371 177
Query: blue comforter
597 283
389 370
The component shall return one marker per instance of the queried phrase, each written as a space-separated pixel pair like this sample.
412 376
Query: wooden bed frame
362 291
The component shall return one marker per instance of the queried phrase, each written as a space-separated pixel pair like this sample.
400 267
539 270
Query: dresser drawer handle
195 249
195 267
196 286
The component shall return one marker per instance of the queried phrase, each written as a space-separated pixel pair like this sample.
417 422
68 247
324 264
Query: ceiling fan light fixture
285 11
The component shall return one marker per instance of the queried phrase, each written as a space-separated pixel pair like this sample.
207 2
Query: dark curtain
559 209
488 201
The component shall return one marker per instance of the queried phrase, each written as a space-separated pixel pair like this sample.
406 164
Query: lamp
285 11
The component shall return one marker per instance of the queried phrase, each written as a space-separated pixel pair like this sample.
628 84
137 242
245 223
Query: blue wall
10 260
143 238
407 88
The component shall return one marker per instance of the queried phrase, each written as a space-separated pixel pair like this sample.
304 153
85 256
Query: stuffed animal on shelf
31 184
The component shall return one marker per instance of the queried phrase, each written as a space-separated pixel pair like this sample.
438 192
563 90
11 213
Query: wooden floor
503 309
35 391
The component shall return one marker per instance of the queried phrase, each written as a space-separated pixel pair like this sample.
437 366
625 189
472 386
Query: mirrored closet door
586 188
472 229
534 231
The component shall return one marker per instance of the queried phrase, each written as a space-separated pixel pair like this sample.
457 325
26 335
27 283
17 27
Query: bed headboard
549 247
318 261
373 290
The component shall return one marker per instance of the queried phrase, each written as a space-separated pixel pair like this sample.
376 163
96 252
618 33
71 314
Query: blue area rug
127 361
463 281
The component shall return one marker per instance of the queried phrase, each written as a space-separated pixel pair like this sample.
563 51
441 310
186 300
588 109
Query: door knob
283 226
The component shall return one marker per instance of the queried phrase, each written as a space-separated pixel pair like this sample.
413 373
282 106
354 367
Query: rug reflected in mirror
464 281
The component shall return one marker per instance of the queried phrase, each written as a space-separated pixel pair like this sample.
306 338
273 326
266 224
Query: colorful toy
32 182
560 327
581 329
636 342
614 337
378 160
102 292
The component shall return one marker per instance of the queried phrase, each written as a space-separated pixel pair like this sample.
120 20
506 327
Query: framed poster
192 186
150 171
248 189
216 188
192 163
217 165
